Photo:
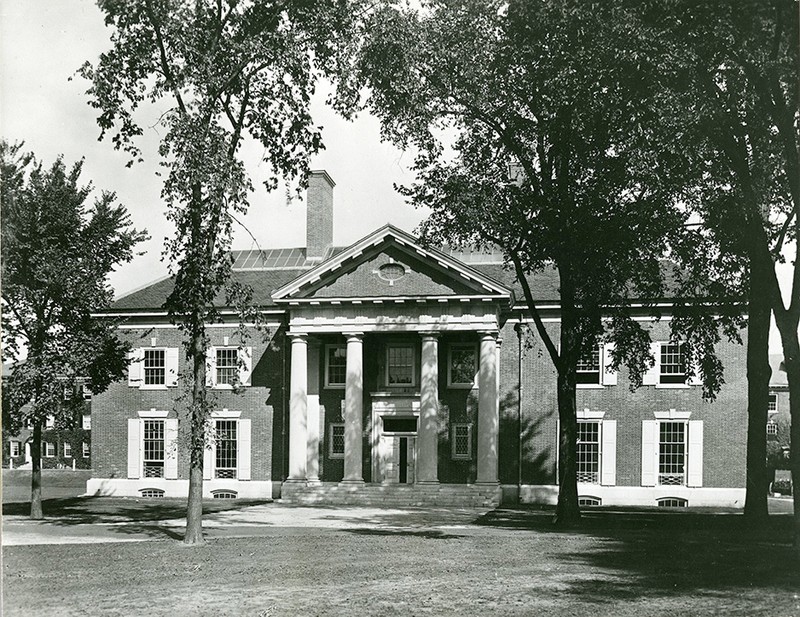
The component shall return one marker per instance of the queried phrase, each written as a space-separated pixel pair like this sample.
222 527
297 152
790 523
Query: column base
488 484
297 481
314 482
356 482
427 482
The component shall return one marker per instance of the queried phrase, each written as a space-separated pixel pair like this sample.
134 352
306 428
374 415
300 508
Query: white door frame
389 407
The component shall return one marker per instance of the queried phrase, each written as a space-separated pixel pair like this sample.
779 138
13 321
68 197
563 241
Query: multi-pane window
49 449
155 367
85 448
153 449
461 441
15 449
672 502
673 363
86 422
67 450
588 452
225 458
86 391
463 364
337 441
772 429
772 404
335 365
672 453
400 365
588 369
227 365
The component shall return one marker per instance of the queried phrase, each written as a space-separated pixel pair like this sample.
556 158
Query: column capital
354 336
298 337
430 335
488 334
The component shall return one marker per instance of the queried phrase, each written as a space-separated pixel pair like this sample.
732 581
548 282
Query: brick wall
724 420
263 403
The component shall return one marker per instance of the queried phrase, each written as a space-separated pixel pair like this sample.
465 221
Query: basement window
223 494
672 502
152 493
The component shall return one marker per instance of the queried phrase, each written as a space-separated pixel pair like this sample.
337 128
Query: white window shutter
171 448
211 366
171 360
208 463
653 376
246 365
608 453
135 369
208 451
697 379
608 375
243 450
694 475
134 448
649 452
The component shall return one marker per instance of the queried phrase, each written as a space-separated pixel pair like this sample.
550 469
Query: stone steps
448 495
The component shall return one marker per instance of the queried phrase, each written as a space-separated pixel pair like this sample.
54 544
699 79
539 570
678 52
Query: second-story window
400 365
227 365
154 367
588 368
673 363
335 366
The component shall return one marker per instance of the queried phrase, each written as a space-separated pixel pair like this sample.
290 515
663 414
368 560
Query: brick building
397 373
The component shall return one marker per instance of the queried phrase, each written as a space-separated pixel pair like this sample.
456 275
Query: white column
353 410
428 430
298 408
312 426
488 410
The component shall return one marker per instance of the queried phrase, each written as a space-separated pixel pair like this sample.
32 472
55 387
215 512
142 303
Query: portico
388 353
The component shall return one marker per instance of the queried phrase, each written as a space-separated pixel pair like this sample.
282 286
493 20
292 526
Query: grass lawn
510 562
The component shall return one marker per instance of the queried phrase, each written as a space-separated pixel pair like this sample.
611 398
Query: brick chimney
319 215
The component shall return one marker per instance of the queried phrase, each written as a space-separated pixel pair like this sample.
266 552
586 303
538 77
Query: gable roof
472 281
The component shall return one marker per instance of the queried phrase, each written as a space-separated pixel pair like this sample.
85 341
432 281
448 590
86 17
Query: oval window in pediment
391 271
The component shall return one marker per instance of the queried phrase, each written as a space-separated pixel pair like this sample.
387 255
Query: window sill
334 386
589 386
153 387
462 386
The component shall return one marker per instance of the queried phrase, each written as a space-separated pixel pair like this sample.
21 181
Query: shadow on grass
126 516
432 534
666 553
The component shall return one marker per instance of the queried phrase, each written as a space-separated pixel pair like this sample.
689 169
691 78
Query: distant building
779 420
63 447
396 373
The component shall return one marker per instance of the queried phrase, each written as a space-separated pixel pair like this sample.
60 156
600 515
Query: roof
269 271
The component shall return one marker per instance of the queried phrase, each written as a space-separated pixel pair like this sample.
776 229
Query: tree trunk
787 326
758 376
197 439
36 472
567 510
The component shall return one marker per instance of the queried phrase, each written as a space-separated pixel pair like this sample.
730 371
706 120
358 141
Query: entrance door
400 460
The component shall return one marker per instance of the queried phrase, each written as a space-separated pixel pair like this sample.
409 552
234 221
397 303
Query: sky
43 103
44 42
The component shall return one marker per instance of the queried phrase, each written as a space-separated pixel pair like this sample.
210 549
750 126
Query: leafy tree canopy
57 252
